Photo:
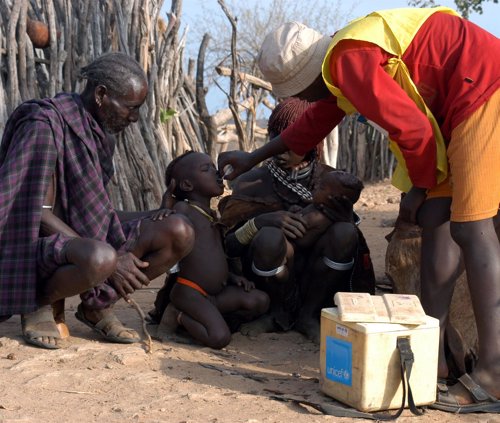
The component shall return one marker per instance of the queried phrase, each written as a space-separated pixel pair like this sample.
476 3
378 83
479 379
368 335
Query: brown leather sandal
38 325
109 327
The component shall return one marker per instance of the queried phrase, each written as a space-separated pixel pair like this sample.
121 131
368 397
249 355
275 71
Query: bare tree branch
208 129
258 82
233 103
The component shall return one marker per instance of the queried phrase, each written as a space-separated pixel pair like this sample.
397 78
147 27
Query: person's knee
343 240
261 302
101 262
257 302
96 260
220 338
269 248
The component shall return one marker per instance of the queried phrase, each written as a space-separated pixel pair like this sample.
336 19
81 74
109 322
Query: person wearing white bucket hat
437 94
292 58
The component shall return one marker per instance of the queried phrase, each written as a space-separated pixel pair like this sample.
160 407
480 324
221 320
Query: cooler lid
331 313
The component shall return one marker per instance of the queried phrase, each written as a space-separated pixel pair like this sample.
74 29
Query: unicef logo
339 373
338 360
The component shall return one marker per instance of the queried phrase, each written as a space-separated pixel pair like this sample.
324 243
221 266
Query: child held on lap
205 289
332 202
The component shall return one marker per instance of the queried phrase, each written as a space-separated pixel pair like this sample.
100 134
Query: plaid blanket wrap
42 137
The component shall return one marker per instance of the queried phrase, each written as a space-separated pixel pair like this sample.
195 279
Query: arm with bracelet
237 241
292 225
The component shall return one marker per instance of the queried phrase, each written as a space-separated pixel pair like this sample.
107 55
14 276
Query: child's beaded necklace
200 210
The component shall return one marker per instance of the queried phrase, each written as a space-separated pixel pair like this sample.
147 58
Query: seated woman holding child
293 231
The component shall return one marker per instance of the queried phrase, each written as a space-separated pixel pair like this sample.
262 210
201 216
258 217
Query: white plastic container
360 363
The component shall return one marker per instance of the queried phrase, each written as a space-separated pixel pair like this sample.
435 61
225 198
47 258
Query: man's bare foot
168 323
60 318
107 324
308 327
263 324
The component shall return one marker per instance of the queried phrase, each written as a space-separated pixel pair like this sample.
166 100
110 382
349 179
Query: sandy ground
93 381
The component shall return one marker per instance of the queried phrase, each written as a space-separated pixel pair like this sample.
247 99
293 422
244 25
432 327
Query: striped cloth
42 137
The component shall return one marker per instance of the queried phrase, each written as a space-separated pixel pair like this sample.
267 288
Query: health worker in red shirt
431 80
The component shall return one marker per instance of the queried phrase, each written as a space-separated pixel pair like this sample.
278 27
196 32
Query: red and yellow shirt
455 66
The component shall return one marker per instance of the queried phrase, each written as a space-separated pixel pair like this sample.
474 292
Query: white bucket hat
291 57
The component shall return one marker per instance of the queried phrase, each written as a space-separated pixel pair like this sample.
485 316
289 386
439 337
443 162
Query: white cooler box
360 362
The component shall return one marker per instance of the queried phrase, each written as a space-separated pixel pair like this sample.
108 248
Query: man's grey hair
113 70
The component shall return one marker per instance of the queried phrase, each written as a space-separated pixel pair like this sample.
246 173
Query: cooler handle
407 359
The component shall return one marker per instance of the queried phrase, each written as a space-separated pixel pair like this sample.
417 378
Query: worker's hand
232 164
292 224
128 276
410 203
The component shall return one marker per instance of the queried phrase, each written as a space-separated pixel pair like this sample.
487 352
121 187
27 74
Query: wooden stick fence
65 35
78 32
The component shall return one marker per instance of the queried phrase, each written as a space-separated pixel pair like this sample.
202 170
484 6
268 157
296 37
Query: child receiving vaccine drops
204 289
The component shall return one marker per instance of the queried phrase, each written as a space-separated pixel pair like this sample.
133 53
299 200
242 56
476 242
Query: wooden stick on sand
134 304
